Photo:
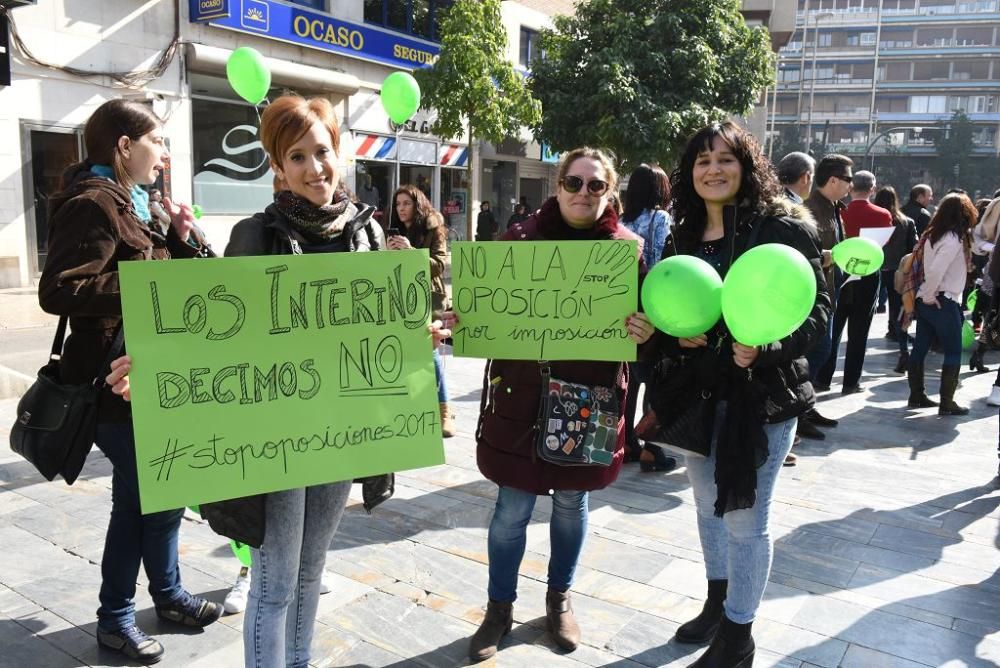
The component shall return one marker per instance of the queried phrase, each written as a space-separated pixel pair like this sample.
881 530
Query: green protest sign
258 374
551 300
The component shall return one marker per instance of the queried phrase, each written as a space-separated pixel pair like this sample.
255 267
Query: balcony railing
870 15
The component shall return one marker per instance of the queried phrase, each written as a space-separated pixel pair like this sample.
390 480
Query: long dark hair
758 187
110 122
887 198
648 188
956 214
423 212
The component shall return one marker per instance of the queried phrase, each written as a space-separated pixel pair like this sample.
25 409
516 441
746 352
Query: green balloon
400 96
968 335
248 75
973 299
768 293
682 296
858 256
242 552
197 211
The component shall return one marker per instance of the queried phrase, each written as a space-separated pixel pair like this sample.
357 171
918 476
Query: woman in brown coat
512 391
101 218
417 224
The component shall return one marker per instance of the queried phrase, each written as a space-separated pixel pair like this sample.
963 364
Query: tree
955 146
472 84
640 76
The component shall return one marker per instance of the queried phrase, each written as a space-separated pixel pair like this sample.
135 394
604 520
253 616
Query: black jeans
855 308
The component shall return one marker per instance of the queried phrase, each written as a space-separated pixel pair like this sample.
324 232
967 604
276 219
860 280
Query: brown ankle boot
562 622
447 421
496 624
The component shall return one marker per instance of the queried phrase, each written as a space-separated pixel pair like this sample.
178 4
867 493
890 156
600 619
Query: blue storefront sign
207 10
304 27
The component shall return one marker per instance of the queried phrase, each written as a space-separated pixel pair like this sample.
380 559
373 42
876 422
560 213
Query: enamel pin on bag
577 424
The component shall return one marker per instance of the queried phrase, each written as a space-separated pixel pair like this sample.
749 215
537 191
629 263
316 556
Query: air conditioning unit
14 4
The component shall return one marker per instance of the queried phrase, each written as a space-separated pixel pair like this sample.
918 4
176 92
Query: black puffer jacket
780 371
270 233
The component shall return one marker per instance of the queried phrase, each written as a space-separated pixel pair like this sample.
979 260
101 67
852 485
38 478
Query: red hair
288 119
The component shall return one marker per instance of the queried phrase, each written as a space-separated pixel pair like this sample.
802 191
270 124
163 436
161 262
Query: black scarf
317 224
741 442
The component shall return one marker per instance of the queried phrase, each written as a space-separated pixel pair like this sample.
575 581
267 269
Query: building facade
880 80
69 57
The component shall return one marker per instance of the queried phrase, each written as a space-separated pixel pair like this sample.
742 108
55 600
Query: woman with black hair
902 241
645 215
726 200
944 254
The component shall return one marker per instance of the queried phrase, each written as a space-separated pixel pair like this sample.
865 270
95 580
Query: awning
212 60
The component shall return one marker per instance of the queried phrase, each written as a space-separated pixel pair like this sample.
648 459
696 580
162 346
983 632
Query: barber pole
453 155
375 147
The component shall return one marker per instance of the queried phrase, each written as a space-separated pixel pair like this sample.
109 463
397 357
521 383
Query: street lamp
885 133
812 84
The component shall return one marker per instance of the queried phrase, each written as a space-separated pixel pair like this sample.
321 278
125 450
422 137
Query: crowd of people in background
722 199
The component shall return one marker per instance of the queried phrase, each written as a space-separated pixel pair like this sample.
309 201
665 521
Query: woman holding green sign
750 379
507 438
101 218
312 212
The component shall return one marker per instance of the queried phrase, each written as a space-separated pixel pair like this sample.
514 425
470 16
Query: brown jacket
93 227
434 237
830 226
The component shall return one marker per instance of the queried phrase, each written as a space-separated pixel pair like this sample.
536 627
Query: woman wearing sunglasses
506 434
727 200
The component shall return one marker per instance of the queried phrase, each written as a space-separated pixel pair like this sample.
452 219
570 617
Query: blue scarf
140 198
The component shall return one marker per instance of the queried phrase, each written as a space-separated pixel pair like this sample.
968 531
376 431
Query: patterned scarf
316 223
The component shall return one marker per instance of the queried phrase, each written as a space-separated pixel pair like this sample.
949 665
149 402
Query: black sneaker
190 611
133 643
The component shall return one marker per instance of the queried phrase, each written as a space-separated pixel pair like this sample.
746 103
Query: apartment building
880 80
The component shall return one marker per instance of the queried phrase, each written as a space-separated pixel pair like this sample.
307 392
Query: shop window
419 18
232 174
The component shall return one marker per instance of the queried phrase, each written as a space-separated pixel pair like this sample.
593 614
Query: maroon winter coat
512 389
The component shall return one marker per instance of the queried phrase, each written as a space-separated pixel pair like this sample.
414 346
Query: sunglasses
573 184
845 179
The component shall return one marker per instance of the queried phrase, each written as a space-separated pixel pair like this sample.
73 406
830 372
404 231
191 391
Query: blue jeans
567 529
285 579
738 546
946 323
895 306
439 372
133 538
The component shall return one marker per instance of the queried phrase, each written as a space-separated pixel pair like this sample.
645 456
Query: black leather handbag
56 422
680 417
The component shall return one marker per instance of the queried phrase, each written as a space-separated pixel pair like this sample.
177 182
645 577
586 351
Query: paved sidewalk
886 555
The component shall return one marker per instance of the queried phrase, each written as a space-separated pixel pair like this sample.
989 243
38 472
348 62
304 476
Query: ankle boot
915 377
447 421
496 624
703 627
949 383
976 360
732 647
562 623
904 361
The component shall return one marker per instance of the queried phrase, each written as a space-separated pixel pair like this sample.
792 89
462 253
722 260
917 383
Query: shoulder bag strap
59 339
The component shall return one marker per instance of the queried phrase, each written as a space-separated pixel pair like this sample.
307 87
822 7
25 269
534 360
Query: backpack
910 275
